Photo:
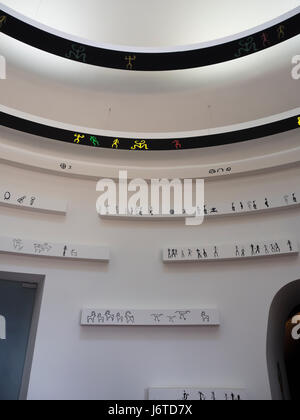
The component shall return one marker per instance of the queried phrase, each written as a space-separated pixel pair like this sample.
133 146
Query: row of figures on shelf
40 248
236 207
128 317
212 396
108 316
21 200
241 251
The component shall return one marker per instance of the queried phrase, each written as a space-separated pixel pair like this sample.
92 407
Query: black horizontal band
144 144
148 61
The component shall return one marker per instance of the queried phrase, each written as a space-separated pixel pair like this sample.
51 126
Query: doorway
292 352
20 299
283 343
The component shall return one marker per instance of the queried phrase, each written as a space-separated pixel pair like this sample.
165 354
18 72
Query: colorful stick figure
246 47
116 144
281 32
177 144
95 141
140 145
78 137
77 52
2 21
265 39
130 60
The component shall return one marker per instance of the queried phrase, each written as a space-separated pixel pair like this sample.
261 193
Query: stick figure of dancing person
115 144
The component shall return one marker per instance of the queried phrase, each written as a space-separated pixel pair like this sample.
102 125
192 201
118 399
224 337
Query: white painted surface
156 317
38 248
109 363
30 201
197 394
220 252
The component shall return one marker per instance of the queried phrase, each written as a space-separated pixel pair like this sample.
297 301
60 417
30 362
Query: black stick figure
216 252
202 396
267 203
65 251
294 198
233 207
199 254
185 395
205 253
254 205
290 246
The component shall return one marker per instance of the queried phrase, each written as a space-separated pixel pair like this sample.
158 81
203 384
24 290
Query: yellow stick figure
130 59
281 32
140 145
116 144
2 21
78 137
299 121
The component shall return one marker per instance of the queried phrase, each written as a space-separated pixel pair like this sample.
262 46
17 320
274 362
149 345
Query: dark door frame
38 280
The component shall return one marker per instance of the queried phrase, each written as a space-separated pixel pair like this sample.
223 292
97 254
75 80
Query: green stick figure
95 141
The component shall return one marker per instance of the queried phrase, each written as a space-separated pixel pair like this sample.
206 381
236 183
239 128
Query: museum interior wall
72 361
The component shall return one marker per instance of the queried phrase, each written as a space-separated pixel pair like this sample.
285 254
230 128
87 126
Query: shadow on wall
283 343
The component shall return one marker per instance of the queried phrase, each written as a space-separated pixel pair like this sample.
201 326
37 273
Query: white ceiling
152 23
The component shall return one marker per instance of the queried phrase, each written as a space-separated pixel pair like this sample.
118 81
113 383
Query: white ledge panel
156 317
237 251
18 245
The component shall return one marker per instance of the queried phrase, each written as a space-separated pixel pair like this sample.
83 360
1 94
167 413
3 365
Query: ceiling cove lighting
73 48
37 126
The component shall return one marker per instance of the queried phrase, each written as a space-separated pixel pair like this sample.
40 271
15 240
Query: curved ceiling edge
55 42
75 168
82 136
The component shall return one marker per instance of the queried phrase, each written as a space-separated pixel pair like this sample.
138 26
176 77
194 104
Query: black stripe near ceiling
144 144
125 60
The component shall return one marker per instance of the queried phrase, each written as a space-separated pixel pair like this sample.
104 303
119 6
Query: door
17 302
292 352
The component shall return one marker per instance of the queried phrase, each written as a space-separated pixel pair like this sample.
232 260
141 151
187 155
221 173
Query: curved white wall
109 363
155 23
71 362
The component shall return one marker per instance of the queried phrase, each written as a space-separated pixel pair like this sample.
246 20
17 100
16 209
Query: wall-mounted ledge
237 207
9 197
194 393
154 317
17 245
237 251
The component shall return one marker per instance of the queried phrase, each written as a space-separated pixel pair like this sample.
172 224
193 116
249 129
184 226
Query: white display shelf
39 248
237 207
9 197
201 253
146 317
